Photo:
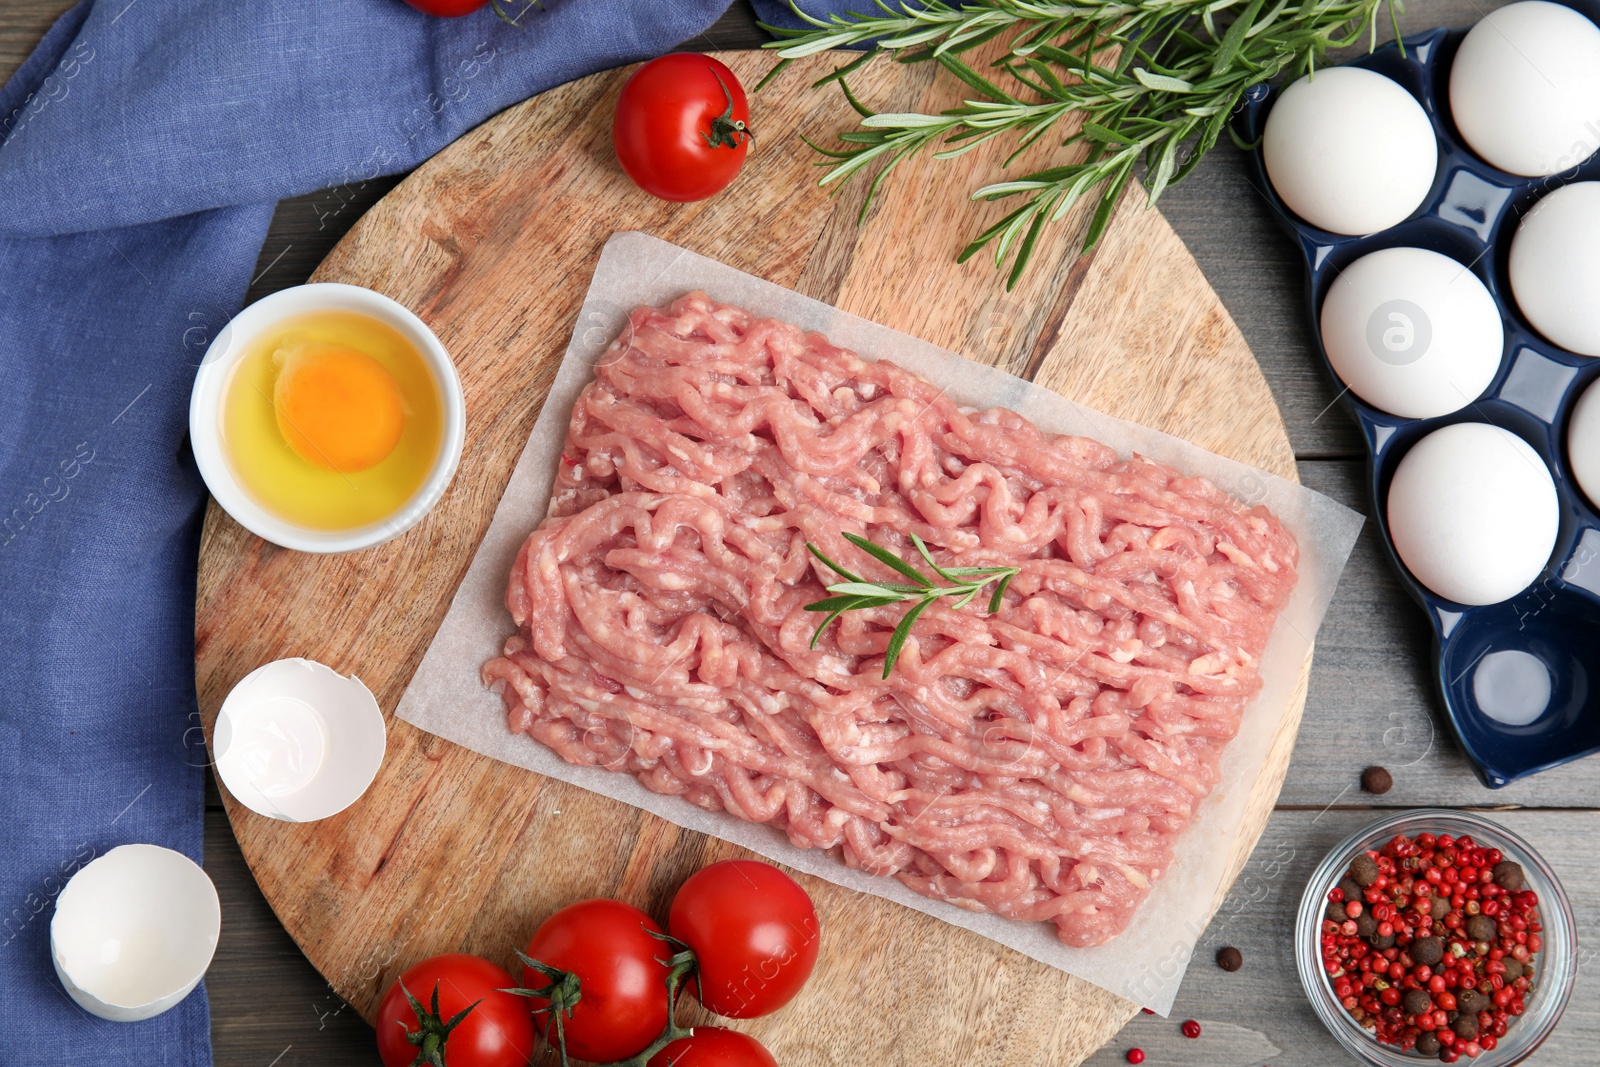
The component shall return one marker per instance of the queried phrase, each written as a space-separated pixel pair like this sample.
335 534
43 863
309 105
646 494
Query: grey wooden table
1370 699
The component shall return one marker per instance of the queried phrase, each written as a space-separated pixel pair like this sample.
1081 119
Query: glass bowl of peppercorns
1436 935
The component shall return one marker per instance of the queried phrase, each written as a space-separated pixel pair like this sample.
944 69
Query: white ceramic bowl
297 741
205 406
134 931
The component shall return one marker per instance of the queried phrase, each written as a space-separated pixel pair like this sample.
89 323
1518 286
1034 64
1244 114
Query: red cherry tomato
681 129
447 8
621 978
754 931
498 1032
712 1046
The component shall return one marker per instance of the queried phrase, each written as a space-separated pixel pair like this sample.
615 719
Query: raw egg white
1555 267
1349 151
1583 443
1412 332
331 420
1473 513
1525 88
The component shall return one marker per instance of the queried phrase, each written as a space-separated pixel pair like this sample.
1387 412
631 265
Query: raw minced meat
1038 763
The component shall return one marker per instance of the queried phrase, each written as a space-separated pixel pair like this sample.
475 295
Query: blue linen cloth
142 147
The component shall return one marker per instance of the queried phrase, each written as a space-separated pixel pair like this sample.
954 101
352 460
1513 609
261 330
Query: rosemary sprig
506 16
856 592
1155 80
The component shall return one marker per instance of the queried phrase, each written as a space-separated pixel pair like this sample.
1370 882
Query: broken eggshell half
297 741
134 931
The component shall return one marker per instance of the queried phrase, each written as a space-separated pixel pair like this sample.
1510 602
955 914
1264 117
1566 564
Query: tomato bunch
601 981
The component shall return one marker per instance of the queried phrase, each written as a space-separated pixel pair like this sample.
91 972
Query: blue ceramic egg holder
1471 214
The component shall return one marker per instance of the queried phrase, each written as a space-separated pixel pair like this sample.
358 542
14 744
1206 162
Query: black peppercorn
1439 908
1366 925
1417 1001
1427 1044
1480 928
1427 950
1364 870
1335 912
1352 889
1508 875
1471 1001
1377 780
1513 969
1231 959
1465 1025
1381 941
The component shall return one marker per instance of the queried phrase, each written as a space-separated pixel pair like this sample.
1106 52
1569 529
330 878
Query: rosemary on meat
856 592
1156 82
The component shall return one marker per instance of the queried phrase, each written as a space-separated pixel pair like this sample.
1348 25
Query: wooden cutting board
492 243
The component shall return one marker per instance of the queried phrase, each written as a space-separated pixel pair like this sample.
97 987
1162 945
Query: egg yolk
336 406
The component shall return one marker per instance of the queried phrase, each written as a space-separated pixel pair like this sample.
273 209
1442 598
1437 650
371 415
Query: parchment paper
1146 963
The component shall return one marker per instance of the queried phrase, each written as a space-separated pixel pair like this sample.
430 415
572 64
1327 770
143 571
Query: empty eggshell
134 931
1349 150
1583 443
1555 267
1473 513
298 741
1412 332
1525 88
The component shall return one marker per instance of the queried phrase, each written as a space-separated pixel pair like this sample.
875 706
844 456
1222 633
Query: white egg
1583 443
1473 513
1525 88
1349 151
1555 267
1412 332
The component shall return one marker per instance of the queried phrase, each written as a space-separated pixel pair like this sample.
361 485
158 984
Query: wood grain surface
450 850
